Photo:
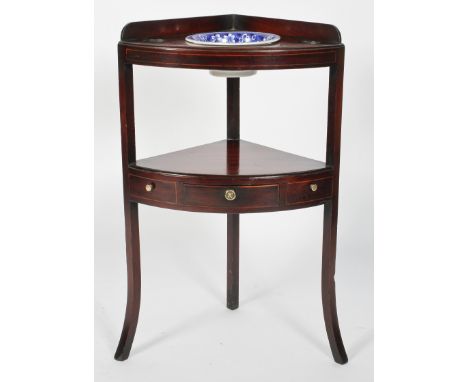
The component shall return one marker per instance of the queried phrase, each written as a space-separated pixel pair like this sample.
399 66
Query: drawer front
228 196
304 192
153 189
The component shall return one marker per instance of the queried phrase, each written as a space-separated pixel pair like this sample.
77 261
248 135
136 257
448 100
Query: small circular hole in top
155 40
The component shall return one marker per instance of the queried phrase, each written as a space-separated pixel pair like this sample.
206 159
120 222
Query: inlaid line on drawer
151 189
230 196
307 191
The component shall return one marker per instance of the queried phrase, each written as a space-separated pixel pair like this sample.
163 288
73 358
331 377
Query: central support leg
232 300
233 123
233 108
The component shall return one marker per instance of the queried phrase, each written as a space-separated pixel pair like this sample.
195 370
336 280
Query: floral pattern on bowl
233 38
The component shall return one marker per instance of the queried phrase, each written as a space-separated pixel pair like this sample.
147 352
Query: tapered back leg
232 300
233 133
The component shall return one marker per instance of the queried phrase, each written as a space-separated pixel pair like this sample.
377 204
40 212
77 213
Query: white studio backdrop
277 334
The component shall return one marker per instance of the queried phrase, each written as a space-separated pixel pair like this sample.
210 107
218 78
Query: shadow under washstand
103 326
303 330
361 343
177 329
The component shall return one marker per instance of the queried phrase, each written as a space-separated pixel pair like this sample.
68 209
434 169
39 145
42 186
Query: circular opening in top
311 42
155 40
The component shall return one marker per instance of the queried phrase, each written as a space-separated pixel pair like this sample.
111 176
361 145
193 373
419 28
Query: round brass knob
230 195
149 187
313 187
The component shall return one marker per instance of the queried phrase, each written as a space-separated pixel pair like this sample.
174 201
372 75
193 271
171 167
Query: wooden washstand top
162 43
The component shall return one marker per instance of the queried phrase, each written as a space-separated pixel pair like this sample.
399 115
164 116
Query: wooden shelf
262 178
230 158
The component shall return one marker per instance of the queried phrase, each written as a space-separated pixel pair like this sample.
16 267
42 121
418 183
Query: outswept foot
133 282
332 326
328 282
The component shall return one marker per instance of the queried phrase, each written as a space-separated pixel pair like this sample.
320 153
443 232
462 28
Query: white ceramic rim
275 38
232 73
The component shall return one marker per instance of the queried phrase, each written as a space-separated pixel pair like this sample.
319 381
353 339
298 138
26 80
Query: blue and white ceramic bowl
232 38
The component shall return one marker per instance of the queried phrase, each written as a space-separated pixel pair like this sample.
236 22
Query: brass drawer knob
149 187
230 195
313 187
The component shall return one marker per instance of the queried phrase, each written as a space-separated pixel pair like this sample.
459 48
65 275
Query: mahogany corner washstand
231 176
